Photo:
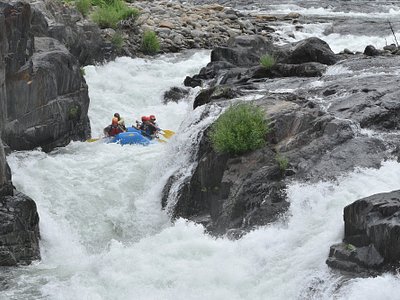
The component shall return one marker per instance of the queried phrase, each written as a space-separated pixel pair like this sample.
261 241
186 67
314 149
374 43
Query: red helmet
114 121
145 118
152 117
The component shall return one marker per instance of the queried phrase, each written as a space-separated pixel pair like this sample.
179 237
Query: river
105 236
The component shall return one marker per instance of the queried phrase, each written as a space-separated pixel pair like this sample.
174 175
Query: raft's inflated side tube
130 137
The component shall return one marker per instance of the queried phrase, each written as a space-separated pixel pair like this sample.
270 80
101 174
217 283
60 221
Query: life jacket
115 130
151 128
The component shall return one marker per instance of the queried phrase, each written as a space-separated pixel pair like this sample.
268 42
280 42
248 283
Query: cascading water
104 235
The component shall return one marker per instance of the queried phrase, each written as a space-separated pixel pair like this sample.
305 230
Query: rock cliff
43 103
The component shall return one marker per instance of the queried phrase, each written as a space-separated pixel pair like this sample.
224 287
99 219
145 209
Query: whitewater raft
132 136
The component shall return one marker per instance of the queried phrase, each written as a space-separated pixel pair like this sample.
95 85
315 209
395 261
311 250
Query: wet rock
192 82
349 258
310 50
286 70
372 228
371 51
19 230
175 94
391 48
243 51
221 92
46 98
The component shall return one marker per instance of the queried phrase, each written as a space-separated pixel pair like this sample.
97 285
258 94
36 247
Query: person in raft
114 128
148 126
121 121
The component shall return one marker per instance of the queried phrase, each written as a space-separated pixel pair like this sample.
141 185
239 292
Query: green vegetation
82 71
241 128
110 12
350 247
267 61
83 6
74 112
150 43
283 162
117 40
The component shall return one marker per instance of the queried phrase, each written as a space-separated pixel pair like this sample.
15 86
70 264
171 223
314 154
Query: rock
46 97
81 37
309 50
371 51
292 15
175 94
166 24
221 92
286 70
19 230
242 51
349 258
391 48
192 81
372 227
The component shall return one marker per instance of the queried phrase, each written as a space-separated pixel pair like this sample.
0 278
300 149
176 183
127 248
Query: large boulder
19 222
309 50
46 97
241 192
19 230
243 51
64 23
371 235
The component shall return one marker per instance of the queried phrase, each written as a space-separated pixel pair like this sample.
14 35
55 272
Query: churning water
105 236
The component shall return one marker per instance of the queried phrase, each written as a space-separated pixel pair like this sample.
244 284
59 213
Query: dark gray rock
371 51
19 222
248 191
65 24
243 51
309 50
353 259
372 228
175 94
19 230
46 98
312 69
221 92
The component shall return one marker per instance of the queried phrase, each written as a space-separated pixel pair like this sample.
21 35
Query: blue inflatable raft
130 137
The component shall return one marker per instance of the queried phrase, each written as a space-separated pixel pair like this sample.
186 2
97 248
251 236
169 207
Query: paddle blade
92 140
161 140
167 133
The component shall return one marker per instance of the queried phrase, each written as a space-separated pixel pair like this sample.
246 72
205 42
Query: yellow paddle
167 133
91 140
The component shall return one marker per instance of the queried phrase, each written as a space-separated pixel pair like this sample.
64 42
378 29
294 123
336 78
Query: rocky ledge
371 236
317 116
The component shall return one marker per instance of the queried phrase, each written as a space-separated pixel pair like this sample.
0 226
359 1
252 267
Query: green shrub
108 14
150 43
82 71
98 2
283 162
117 40
83 6
267 61
241 128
